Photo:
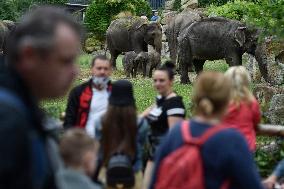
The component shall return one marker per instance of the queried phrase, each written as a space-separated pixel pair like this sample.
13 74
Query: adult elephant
132 34
5 27
218 38
176 26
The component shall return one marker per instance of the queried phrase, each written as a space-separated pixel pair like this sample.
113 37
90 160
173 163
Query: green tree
101 12
265 14
12 9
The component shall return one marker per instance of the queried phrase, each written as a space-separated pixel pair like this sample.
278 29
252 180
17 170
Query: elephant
130 64
132 34
179 23
6 27
217 38
149 60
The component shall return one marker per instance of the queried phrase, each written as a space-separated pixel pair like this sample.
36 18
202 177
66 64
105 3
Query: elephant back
126 24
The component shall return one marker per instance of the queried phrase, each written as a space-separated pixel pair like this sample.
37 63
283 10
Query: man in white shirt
89 100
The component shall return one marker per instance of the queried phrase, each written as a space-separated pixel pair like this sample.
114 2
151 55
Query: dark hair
38 29
168 67
99 57
119 130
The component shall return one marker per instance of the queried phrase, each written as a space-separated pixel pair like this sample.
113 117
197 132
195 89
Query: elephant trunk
172 42
262 60
158 45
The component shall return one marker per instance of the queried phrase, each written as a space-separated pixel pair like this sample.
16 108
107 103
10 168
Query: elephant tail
105 48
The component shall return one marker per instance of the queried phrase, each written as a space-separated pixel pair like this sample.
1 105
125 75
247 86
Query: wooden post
270 130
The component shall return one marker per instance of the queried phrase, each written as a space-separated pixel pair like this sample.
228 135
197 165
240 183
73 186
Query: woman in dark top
225 155
164 114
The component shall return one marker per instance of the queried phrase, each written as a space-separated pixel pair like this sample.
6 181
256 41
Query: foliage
8 10
101 12
204 3
13 9
267 159
177 5
265 14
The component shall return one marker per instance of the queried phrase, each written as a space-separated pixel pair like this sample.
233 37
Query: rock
252 66
275 66
92 44
276 110
168 16
264 94
169 4
165 53
189 4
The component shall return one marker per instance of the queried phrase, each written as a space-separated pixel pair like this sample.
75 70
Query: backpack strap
187 137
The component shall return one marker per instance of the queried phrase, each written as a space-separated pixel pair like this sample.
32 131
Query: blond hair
211 93
74 144
240 81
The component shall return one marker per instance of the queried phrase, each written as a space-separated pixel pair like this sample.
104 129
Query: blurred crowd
105 142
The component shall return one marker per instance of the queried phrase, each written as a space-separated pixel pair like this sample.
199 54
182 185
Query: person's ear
29 59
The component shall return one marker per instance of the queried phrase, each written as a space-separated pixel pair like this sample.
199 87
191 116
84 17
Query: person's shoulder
228 134
81 87
174 105
175 99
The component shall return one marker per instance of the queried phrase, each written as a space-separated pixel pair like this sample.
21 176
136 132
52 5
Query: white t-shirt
98 107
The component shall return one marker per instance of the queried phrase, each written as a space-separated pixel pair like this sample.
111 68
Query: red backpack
183 168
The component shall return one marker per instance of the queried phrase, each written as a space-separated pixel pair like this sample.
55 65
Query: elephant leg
198 65
185 59
114 55
184 79
144 68
148 70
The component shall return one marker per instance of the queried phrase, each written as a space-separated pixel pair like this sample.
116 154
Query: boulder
264 94
169 4
168 16
189 4
165 53
275 113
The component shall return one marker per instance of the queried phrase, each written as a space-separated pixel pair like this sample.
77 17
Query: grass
145 96
143 89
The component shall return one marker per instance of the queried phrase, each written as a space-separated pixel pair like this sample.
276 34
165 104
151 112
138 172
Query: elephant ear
240 36
140 24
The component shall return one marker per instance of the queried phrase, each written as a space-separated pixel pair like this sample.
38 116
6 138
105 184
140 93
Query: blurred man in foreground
41 56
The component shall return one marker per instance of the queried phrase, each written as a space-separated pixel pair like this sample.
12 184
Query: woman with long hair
243 112
120 131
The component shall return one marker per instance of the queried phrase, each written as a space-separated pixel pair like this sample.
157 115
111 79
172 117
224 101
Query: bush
13 9
265 14
101 12
204 3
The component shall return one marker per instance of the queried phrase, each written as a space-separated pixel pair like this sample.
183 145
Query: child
243 111
78 152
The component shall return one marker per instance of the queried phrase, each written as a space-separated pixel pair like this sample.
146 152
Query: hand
269 182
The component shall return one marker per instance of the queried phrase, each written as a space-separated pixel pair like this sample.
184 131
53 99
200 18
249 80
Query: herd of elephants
191 42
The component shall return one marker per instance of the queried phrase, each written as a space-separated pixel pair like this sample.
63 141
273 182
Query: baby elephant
149 61
130 64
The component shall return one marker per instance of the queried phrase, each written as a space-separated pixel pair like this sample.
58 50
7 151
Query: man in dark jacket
41 55
89 100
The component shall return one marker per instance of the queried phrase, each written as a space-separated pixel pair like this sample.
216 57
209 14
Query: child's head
78 150
211 94
240 80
